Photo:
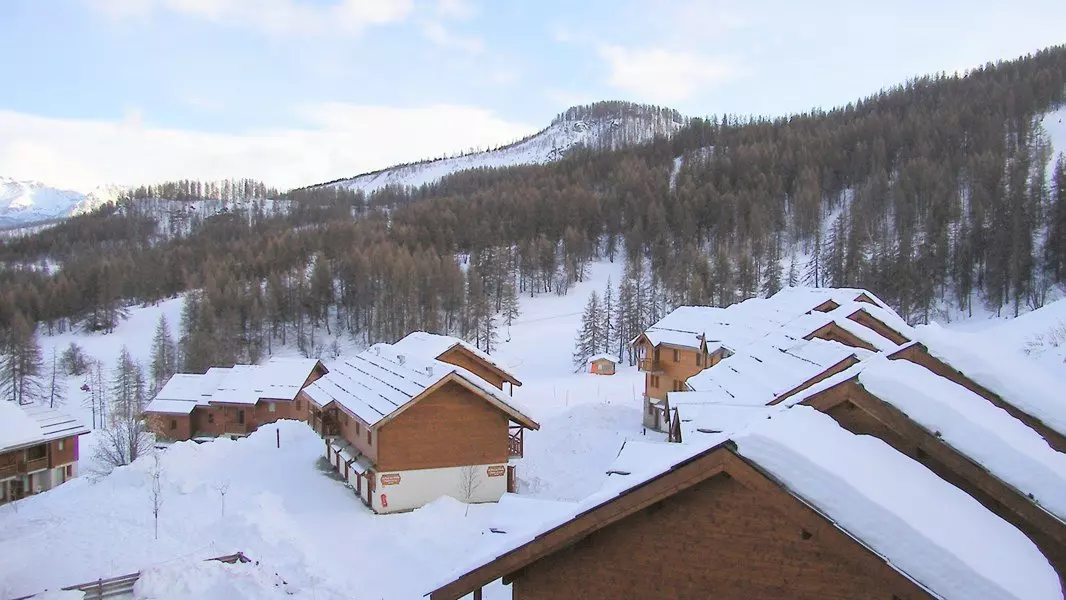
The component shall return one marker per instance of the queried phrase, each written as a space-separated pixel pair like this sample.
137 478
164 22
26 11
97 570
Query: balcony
8 470
650 365
515 441
37 464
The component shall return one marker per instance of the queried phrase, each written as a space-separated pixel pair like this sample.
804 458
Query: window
654 381
699 359
299 404
369 438
357 432
344 418
272 407
70 470
677 356
210 417
240 416
61 444
173 424
36 452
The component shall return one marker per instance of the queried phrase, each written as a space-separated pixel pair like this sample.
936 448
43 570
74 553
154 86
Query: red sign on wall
496 470
390 479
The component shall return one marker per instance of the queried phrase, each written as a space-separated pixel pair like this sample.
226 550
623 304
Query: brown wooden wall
354 430
465 359
68 454
159 424
919 354
450 427
671 370
861 413
721 540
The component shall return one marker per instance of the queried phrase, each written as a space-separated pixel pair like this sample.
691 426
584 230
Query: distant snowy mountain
604 125
27 202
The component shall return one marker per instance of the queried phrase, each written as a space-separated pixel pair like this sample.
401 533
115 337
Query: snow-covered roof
919 524
1020 382
604 356
31 424
759 373
278 379
433 345
924 526
791 310
378 382
985 433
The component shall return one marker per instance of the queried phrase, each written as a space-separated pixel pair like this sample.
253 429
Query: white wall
419 487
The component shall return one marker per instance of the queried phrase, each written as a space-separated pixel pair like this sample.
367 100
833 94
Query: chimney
401 358
429 370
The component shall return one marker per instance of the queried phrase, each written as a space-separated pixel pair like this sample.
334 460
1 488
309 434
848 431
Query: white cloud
271 16
339 140
660 75
456 9
440 35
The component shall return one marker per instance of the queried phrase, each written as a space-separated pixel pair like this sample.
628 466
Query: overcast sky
294 92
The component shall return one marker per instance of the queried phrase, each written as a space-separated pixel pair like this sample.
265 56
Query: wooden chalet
455 351
404 428
38 449
962 437
231 401
603 364
783 510
692 339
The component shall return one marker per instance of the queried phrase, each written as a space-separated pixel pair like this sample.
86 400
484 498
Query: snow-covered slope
1054 125
26 202
627 126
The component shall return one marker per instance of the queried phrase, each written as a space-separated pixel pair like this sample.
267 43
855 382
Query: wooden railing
650 364
122 586
515 441
37 464
8 470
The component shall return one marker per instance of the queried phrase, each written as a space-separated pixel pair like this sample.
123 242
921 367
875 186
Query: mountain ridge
28 202
601 125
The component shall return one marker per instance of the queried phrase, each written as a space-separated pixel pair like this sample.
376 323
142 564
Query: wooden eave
878 326
831 329
504 375
826 374
506 409
826 306
1055 439
678 478
915 433
720 460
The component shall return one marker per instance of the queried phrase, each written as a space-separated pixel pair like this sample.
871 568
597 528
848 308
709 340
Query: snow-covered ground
284 510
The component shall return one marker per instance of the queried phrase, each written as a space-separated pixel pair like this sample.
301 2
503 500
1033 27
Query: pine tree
510 305
127 385
164 355
1055 246
21 365
589 338
625 309
56 393
608 332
